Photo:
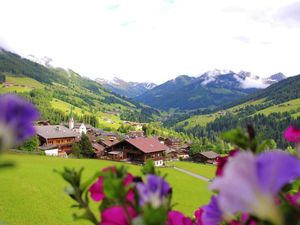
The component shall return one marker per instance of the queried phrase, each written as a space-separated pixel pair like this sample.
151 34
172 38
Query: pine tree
85 146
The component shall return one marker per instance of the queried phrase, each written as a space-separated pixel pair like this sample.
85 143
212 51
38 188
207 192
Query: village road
192 174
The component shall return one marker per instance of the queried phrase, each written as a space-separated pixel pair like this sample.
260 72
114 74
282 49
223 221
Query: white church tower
71 120
71 123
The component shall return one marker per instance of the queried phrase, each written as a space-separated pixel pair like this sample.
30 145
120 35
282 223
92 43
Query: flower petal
292 134
239 177
177 218
212 215
116 216
96 190
276 169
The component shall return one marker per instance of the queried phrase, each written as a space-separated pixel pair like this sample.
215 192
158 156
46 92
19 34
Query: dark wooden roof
54 131
108 143
98 147
210 154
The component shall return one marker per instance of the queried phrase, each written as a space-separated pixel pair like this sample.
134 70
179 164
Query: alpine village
132 122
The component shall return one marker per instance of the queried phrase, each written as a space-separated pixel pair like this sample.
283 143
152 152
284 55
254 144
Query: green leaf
155 216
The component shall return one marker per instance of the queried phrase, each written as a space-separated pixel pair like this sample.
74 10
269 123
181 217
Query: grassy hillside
289 106
280 97
18 84
54 91
31 193
203 120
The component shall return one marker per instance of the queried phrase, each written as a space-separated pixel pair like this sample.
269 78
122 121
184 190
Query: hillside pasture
203 120
12 89
26 81
66 107
31 193
284 107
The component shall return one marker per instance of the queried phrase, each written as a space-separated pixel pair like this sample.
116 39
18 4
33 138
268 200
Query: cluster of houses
57 140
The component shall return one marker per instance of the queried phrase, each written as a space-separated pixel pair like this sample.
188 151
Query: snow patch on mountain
244 79
45 60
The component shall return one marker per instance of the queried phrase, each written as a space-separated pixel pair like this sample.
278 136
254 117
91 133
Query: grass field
14 89
284 107
21 84
31 193
66 107
208 171
202 120
24 81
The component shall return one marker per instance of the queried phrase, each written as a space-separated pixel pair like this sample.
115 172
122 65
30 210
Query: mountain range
209 90
55 91
127 89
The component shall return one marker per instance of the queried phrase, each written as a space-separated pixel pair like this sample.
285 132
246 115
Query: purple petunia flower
211 215
155 191
16 120
250 183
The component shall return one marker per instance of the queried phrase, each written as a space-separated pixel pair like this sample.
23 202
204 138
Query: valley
161 112
201 108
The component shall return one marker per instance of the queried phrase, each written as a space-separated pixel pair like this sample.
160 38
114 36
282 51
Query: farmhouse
205 157
173 143
108 142
98 149
137 150
136 133
55 138
171 154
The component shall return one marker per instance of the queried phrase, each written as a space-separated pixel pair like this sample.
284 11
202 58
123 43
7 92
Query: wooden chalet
173 143
136 133
137 150
171 154
183 154
205 157
108 142
56 137
98 149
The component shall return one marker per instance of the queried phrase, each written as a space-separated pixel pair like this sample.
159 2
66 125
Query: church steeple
71 120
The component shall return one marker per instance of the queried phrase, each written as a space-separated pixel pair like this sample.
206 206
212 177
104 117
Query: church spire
71 120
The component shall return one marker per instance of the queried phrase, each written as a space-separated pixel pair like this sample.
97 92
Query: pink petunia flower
117 216
294 199
292 134
198 216
177 218
97 192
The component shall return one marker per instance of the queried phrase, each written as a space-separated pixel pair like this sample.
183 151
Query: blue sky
156 40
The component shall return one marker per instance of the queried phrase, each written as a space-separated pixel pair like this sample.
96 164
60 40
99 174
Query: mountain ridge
211 89
124 88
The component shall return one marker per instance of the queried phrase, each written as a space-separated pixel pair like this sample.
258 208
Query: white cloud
155 40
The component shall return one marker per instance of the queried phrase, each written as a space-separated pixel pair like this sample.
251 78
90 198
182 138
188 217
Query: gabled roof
147 145
108 143
210 154
98 147
54 131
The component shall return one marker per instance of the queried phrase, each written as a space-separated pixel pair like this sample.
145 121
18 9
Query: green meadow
203 120
20 84
284 107
205 170
31 193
